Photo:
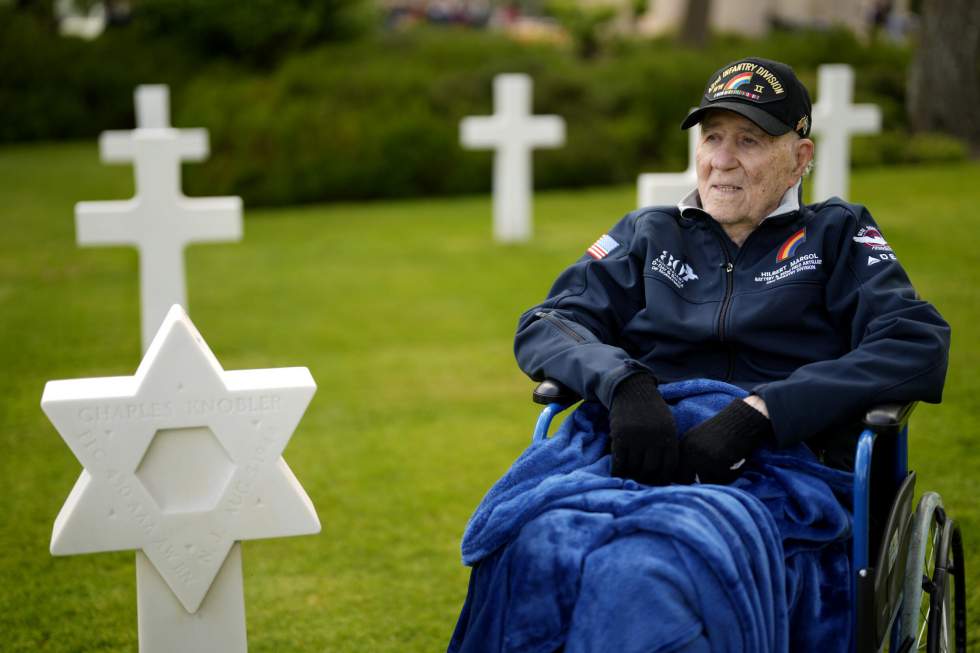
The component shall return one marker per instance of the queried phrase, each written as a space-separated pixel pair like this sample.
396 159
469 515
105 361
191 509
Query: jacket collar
791 201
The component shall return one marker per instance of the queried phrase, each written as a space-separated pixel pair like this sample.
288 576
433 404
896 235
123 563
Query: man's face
744 171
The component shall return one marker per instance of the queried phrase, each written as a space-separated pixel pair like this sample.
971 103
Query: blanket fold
564 555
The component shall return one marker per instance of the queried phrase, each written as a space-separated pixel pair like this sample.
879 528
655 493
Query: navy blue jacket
813 313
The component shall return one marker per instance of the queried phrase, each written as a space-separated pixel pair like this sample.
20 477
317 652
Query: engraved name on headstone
835 119
158 220
512 132
182 461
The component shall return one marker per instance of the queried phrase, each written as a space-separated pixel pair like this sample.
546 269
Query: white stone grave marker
834 120
73 22
159 220
512 132
669 188
181 462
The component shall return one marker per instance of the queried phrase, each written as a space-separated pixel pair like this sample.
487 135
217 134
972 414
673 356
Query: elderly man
805 307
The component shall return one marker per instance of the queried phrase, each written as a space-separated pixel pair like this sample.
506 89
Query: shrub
932 147
894 147
257 32
375 119
379 117
55 88
58 88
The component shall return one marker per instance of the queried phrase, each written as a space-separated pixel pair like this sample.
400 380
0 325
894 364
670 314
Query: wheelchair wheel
934 611
925 532
946 622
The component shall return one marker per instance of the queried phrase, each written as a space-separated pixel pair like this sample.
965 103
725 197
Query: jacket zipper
726 302
729 291
729 268
561 326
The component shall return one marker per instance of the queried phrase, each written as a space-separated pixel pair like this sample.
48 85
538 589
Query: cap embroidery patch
602 247
747 80
738 80
789 248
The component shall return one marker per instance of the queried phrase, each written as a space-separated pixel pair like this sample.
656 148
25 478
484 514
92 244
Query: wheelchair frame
920 551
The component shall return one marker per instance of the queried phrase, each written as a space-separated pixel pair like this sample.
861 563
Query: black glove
716 450
643 433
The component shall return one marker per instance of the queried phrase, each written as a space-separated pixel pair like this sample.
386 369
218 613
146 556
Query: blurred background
322 100
367 255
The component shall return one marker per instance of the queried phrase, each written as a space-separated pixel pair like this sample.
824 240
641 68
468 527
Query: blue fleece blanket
564 555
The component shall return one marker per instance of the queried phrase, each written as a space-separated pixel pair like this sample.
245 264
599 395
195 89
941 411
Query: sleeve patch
602 247
872 239
881 258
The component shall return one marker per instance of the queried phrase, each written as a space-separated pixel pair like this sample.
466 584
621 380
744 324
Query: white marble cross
512 131
834 120
181 462
669 188
159 220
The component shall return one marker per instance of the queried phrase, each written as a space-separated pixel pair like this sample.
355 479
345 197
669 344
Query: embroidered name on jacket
674 269
797 265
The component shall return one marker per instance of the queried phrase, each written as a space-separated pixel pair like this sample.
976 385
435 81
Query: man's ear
803 148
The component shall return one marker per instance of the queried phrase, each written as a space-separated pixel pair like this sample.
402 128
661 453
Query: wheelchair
912 595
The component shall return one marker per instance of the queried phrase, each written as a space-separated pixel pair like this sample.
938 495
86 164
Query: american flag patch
602 247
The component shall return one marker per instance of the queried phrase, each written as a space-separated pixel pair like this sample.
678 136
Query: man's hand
643 433
716 450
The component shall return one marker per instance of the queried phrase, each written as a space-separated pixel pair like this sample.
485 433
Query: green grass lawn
404 313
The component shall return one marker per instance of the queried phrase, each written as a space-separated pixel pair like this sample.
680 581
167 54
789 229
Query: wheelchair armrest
889 418
883 418
550 391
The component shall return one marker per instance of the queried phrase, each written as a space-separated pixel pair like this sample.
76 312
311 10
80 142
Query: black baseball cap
766 92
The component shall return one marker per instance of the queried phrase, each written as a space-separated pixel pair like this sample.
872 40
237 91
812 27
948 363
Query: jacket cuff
781 415
611 380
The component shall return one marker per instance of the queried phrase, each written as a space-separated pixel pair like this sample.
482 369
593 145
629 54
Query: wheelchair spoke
928 587
945 635
942 621
920 640
947 608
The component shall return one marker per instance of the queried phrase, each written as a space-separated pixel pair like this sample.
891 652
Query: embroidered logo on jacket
882 258
792 243
674 269
602 247
871 237
804 263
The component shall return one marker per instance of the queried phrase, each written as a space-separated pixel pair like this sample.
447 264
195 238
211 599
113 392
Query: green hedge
379 117
54 88
255 32
382 120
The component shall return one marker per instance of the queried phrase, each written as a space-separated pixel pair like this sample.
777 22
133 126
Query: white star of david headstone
159 220
512 132
669 188
181 461
834 120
